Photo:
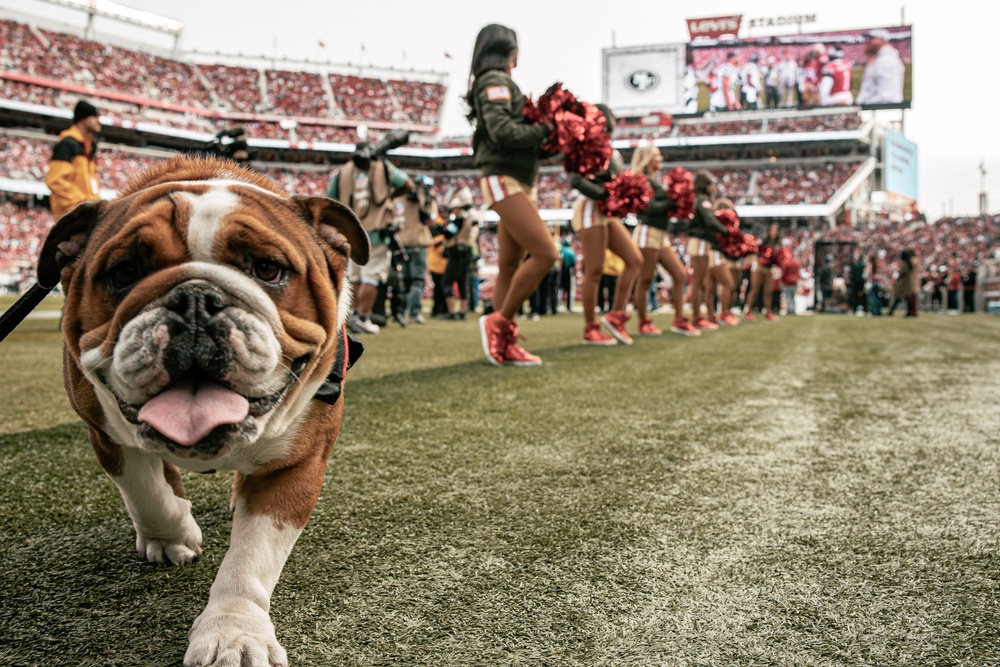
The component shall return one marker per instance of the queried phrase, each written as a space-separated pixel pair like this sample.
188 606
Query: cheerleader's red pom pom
628 192
728 217
765 255
780 256
680 188
579 130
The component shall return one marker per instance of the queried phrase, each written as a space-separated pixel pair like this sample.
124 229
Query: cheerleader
598 234
706 259
507 150
712 285
650 236
761 278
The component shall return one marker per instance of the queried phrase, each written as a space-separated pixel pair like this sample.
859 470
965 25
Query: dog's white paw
238 638
180 549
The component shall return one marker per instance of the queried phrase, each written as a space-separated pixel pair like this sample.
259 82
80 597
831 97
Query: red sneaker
514 354
703 324
494 329
615 322
592 335
749 316
682 326
713 319
646 328
729 319
771 317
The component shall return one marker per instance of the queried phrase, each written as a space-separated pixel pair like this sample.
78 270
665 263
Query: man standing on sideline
567 274
750 81
367 187
882 81
826 283
835 81
790 283
464 228
726 97
857 301
420 211
72 171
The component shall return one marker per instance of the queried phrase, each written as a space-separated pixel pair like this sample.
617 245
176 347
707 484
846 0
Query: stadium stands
297 93
105 68
155 94
237 88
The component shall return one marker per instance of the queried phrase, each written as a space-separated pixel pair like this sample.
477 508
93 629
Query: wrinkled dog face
214 327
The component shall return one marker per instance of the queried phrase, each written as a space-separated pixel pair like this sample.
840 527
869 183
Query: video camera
362 158
229 144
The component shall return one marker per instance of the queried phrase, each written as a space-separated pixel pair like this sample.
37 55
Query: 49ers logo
642 80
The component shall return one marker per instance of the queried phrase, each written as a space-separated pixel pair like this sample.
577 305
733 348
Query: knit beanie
83 110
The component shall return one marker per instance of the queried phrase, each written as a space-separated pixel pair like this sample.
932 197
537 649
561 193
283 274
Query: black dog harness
349 350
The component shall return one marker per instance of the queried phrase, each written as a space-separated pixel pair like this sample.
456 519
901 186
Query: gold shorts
498 188
651 238
587 215
702 248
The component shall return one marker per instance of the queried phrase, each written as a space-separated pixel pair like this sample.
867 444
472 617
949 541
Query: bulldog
204 315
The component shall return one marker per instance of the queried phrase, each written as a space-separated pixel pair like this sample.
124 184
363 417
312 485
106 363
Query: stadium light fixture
126 14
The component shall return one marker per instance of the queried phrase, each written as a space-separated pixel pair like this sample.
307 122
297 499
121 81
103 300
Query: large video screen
871 68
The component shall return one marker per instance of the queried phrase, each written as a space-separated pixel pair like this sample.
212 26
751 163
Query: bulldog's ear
337 225
66 241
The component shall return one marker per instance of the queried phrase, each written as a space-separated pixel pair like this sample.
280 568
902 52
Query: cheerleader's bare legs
594 241
521 232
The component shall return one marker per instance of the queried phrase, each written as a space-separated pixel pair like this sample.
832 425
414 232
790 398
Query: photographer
368 184
230 144
420 211
464 231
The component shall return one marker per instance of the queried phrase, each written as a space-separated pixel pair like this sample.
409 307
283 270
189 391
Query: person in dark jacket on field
72 171
507 150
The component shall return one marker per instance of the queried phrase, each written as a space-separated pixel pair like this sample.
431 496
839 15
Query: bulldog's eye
124 275
268 270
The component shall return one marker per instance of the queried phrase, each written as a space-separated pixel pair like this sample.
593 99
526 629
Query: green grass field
818 491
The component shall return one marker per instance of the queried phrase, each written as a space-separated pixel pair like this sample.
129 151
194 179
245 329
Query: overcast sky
956 97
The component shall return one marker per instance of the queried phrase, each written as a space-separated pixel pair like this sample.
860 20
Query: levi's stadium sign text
782 21
714 27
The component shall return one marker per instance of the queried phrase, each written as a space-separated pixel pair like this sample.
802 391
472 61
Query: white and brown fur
200 222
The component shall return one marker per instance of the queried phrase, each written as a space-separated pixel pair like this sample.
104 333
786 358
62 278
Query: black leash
20 309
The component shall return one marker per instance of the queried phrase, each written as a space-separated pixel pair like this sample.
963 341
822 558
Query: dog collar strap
349 350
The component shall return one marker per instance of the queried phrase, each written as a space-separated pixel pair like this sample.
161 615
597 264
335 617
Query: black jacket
504 143
704 224
657 214
593 187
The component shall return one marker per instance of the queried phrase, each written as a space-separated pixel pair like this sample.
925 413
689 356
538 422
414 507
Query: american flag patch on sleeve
494 93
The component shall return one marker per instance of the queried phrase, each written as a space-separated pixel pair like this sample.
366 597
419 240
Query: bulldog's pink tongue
188 412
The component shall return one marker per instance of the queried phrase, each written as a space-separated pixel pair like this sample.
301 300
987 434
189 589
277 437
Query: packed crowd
947 244
781 184
64 57
827 122
945 247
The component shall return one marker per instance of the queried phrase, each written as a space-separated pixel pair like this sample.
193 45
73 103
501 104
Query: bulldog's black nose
197 335
196 304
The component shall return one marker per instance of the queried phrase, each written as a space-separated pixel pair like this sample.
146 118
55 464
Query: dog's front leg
235 628
165 531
